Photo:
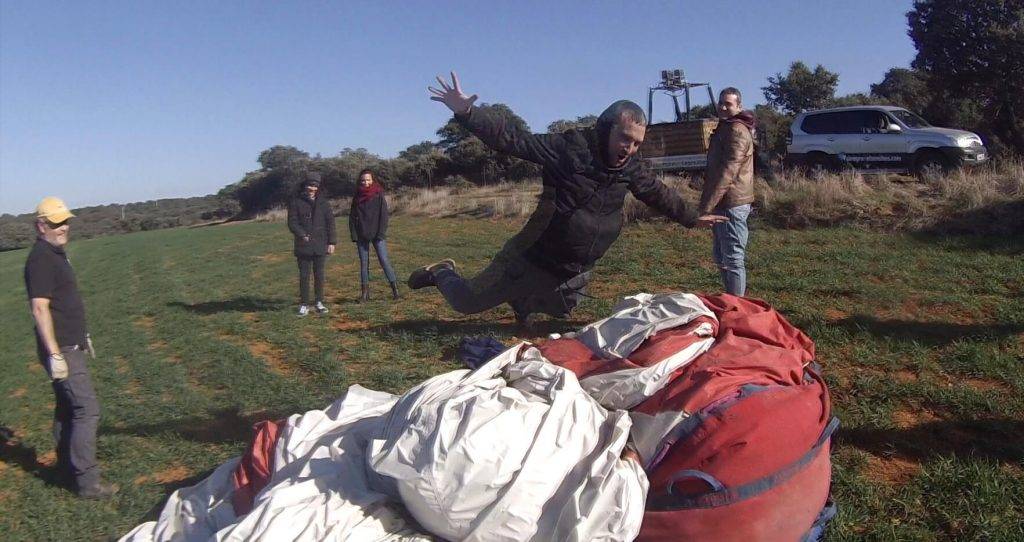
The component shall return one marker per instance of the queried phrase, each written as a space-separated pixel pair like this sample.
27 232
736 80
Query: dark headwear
312 179
611 116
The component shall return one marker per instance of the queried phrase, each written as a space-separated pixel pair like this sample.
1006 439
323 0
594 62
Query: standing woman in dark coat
311 221
368 223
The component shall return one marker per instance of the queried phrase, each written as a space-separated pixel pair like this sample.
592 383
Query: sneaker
321 308
424 276
99 491
303 310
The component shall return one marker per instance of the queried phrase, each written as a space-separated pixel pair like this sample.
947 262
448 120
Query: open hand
706 221
452 95
330 249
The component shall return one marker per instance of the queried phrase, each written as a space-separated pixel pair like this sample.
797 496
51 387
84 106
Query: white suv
878 138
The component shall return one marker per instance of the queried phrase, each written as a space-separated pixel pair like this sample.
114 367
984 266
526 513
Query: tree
801 89
562 125
419 164
469 157
280 156
706 111
772 128
905 88
977 48
857 98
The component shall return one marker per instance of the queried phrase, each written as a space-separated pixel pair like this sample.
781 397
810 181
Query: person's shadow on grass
238 304
15 453
996 439
929 333
429 327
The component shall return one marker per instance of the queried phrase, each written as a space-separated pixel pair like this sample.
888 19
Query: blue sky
104 102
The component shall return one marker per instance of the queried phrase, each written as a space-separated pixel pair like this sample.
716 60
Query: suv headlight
968 141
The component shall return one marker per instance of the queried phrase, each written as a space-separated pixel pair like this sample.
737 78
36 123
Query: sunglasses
54 226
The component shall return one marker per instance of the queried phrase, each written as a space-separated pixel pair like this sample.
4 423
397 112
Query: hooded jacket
313 219
729 177
588 195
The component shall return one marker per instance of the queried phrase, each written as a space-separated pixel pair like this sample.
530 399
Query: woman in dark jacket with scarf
368 223
311 221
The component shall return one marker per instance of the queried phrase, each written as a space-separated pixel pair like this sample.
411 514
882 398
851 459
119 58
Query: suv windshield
910 119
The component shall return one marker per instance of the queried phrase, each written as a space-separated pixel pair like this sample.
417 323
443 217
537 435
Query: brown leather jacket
729 177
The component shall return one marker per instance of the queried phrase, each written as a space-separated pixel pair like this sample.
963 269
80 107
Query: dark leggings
316 265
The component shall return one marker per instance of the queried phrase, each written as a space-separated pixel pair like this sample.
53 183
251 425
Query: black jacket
368 221
313 219
588 195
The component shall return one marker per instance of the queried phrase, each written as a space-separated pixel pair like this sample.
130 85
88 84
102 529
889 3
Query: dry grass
988 199
493 201
985 200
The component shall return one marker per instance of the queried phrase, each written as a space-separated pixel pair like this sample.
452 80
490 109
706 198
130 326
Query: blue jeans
363 248
730 246
511 278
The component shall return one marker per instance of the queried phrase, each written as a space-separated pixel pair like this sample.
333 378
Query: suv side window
873 122
823 123
849 122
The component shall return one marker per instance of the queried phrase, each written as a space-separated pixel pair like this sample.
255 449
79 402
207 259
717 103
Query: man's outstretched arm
668 202
495 130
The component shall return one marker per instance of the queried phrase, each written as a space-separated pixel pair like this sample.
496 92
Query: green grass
922 341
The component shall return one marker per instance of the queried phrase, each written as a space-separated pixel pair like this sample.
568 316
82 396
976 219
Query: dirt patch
174 473
985 385
272 258
250 317
905 375
48 459
911 306
833 315
120 365
342 324
20 392
272 356
891 470
906 418
145 322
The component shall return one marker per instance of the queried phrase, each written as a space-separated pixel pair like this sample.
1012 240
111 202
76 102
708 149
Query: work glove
57 367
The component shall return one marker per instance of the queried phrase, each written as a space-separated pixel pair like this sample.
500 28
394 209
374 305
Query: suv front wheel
931 161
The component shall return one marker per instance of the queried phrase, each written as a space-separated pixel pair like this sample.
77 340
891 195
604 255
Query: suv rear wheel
819 163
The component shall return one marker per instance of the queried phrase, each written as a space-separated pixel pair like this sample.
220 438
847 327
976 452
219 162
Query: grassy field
922 341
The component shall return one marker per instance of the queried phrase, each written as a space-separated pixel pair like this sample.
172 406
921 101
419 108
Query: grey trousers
75 419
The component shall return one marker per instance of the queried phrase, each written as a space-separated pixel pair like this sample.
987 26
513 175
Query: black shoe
424 276
524 319
100 491
394 291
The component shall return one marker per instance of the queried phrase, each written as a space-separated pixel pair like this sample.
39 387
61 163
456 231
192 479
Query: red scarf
366 193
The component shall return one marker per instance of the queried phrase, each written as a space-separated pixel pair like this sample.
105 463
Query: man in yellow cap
62 342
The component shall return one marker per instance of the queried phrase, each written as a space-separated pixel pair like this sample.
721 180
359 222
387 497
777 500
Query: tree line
967 74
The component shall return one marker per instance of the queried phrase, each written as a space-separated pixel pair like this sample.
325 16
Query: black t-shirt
48 274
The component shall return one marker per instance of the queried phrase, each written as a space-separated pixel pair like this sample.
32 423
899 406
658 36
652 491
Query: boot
100 491
365 295
394 291
424 276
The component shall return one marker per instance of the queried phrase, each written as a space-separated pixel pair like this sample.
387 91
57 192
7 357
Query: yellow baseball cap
53 210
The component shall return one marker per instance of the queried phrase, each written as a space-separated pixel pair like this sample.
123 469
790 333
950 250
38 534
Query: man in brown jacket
729 188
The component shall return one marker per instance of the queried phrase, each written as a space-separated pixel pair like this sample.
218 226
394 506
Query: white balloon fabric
513 451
